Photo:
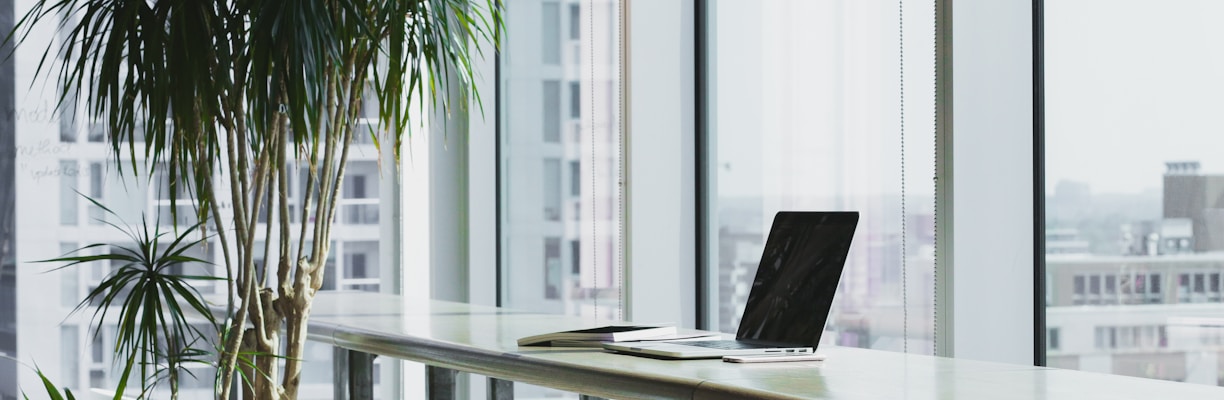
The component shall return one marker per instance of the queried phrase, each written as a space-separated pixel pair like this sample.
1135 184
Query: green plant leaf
152 330
248 87
52 391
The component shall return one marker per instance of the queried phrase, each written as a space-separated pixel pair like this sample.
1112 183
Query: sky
1130 86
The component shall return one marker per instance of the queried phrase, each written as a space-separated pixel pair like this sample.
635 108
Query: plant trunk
308 280
247 369
266 362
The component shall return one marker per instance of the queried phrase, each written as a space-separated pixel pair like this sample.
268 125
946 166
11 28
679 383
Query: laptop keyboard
725 344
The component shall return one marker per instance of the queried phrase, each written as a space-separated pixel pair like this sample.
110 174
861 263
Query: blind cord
935 182
620 164
594 212
904 264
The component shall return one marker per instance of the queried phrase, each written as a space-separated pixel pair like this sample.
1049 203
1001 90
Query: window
1052 338
1183 288
68 129
356 267
552 268
806 114
552 189
575 103
551 110
97 347
1214 281
575 256
560 151
68 177
550 33
575 21
70 357
560 146
97 132
70 160
359 204
96 182
1110 286
1155 287
356 187
70 279
575 173
1135 179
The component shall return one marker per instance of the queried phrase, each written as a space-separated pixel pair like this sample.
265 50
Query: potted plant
229 96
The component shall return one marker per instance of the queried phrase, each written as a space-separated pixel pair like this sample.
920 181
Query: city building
1154 310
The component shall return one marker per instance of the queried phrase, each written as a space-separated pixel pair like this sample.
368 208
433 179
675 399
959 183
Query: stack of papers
594 337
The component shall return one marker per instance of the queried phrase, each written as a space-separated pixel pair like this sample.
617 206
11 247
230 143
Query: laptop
791 294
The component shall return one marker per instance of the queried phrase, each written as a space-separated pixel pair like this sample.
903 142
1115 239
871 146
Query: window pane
806 114
48 155
68 128
70 279
578 156
552 268
560 160
575 21
575 173
68 178
552 189
551 108
575 103
70 356
97 132
1133 181
360 204
550 33
96 188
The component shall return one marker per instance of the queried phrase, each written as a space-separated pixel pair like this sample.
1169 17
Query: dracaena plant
53 392
150 301
231 95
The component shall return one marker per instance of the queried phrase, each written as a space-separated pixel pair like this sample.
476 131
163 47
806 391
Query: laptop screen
797 277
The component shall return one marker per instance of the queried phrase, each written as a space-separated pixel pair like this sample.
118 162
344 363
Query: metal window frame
1039 262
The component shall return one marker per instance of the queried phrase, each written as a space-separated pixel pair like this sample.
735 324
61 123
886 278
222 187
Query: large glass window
1134 187
560 157
51 158
813 108
560 160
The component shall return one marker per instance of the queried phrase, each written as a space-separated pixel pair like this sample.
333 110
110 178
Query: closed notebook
678 337
613 333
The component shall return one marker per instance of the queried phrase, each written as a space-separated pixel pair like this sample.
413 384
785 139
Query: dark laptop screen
797 277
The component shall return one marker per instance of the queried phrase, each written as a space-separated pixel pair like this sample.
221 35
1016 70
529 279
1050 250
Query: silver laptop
790 297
